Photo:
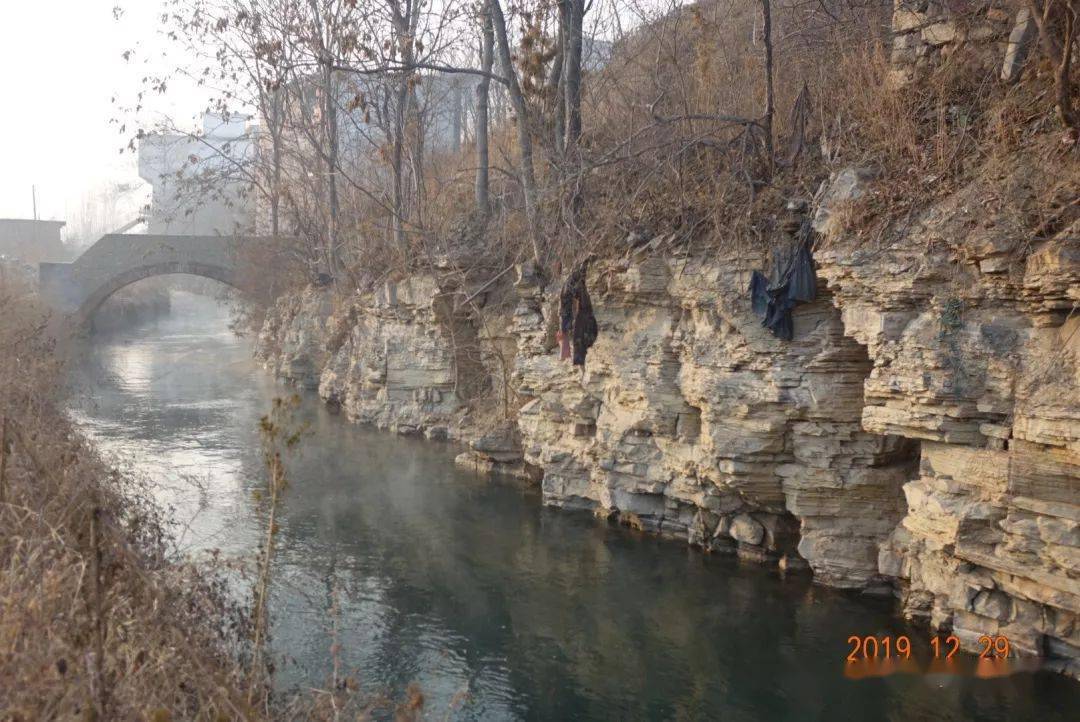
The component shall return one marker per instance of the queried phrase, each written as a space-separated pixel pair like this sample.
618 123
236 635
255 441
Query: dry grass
98 618
95 621
661 154
955 128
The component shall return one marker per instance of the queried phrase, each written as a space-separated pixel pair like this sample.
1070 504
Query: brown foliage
98 618
95 620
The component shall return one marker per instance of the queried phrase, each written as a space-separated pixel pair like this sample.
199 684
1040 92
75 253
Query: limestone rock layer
971 330
920 435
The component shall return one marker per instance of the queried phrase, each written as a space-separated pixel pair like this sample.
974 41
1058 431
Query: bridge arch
119 259
98 296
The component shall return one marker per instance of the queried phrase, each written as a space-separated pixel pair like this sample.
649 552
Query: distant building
30 241
198 183
437 102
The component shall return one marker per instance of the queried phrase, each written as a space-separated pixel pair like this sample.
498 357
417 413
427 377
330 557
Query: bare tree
404 18
329 27
770 100
556 78
483 93
1058 27
571 68
528 172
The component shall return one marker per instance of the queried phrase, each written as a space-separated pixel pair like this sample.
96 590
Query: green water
495 606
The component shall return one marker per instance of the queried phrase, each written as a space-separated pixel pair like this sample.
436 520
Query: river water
496 607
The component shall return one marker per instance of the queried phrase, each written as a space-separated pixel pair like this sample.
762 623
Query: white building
198 179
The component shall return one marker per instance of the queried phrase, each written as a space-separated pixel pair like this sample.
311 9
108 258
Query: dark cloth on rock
759 293
802 278
576 319
793 281
778 317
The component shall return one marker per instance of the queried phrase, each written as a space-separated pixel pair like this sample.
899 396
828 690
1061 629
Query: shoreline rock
921 432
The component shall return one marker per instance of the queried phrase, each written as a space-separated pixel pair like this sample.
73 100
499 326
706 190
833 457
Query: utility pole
33 194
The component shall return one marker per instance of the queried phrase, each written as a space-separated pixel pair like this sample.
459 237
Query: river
496 607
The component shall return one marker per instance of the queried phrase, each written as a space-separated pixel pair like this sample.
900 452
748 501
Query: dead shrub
96 620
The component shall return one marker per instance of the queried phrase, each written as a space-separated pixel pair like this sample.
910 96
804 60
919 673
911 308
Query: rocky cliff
970 325
392 362
292 341
691 419
919 435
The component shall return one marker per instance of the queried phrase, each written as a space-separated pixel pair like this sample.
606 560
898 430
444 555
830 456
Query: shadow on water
497 607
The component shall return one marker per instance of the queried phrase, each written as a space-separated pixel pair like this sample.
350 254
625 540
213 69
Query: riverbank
97 619
426 576
916 437
109 608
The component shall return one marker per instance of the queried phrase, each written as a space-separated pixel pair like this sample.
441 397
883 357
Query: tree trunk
528 174
401 98
1062 79
767 121
416 155
483 92
1056 21
275 124
275 191
405 32
455 117
330 120
572 73
557 82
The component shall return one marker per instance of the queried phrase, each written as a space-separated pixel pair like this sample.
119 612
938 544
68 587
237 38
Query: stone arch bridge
119 259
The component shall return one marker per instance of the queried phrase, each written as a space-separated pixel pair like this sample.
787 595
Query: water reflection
498 608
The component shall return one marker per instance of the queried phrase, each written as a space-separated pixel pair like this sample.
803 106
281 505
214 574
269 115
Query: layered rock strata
392 360
690 419
291 343
971 327
920 432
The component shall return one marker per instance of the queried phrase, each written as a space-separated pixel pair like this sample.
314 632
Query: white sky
60 63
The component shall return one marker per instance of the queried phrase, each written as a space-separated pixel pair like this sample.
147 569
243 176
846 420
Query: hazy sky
60 63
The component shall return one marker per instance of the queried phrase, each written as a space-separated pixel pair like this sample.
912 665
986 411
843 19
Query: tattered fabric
793 281
576 319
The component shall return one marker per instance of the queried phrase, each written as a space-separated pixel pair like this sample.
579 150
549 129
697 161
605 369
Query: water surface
496 607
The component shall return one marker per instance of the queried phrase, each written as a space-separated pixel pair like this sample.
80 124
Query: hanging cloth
576 320
792 280
802 278
759 293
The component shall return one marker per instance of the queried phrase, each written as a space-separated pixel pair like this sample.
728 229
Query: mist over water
495 606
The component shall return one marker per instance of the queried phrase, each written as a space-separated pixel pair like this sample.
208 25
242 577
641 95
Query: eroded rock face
921 430
391 360
386 358
690 419
290 343
971 330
